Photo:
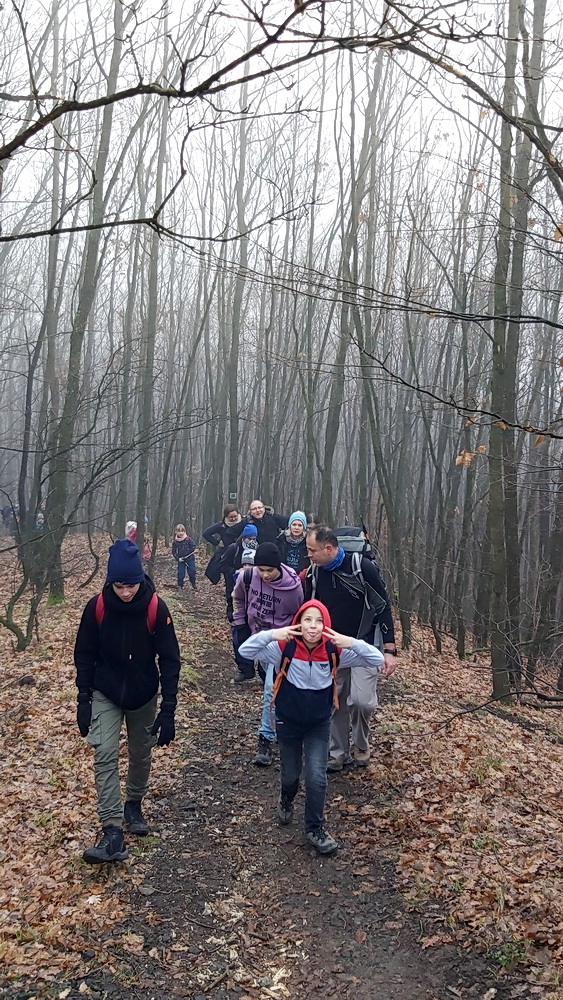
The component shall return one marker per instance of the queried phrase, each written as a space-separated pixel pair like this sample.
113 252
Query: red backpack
152 610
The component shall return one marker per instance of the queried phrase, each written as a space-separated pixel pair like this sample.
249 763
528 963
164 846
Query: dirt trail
233 906
228 905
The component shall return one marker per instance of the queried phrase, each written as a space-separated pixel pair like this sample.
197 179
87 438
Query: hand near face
286 633
342 641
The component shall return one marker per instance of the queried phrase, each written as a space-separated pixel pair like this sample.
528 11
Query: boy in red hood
306 655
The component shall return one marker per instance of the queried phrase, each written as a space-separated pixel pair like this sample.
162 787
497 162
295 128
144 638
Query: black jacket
345 606
299 552
269 527
118 657
223 533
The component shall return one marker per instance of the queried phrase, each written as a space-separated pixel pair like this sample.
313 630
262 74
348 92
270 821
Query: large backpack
287 656
355 540
152 610
355 582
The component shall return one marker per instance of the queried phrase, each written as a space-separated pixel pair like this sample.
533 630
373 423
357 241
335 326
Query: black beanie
124 563
267 554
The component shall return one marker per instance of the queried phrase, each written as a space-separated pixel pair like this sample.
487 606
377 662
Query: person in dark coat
226 531
125 650
293 542
183 551
221 535
270 526
355 606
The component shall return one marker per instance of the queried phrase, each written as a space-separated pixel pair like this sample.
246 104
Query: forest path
229 905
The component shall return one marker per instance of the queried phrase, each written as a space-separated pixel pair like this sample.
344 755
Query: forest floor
447 883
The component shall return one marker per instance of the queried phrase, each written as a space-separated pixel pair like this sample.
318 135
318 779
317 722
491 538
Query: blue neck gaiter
336 562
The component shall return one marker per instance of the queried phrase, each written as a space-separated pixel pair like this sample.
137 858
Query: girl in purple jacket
272 599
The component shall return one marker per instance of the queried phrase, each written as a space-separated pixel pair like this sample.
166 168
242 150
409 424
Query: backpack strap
152 611
356 564
334 660
99 609
313 575
287 656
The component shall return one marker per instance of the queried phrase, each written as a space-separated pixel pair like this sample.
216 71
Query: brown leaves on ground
474 810
52 905
470 809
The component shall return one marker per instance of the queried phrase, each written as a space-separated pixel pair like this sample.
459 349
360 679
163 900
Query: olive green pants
107 719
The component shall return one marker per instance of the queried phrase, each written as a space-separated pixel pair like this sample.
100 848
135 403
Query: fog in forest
310 254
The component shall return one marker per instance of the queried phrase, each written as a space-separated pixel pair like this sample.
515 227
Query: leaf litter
467 811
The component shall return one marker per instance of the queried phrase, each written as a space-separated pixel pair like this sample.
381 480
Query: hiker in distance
357 600
221 535
266 596
269 525
122 633
306 656
183 551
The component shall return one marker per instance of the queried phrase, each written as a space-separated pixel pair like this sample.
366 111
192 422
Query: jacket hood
318 652
288 580
319 606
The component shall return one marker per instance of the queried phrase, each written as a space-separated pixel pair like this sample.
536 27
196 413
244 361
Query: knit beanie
248 556
267 554
298 515
124 563
249 531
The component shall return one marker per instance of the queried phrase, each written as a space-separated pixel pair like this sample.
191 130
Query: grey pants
357 695
107 719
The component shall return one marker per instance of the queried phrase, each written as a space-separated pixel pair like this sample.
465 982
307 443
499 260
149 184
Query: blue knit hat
249 531
124 563
298 515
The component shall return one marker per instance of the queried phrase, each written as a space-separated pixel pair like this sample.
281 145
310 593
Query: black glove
84 713
164 725
243 633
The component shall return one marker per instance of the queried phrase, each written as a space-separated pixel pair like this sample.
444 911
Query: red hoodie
305 693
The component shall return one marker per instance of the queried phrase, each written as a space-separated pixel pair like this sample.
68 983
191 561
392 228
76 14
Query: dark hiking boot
285 810
134 819
324 843
265 755
110 847
194 585
241 678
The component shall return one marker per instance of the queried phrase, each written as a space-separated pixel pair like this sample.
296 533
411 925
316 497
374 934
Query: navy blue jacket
118 657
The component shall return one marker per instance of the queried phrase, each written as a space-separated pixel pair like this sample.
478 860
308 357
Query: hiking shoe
324 843
240 678
110 847
334 764
361 757
285 810
265 756
134 819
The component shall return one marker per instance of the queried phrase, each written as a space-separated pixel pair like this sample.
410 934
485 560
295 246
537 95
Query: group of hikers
308 610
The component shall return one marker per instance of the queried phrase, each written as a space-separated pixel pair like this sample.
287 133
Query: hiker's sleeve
281 520
87 648
174 551
239 601
226 562
385 617
168 653
210 533
261 647
362 654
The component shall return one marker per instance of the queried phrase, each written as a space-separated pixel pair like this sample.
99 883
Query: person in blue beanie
292 543
125 650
